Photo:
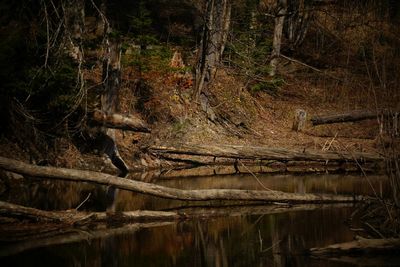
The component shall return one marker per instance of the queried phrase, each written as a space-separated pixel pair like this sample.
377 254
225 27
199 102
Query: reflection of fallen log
74 236
359 246
118 121
369 260
62 232
166 192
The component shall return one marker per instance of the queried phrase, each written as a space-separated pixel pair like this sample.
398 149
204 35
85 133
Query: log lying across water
75 217
262 153
167 192
119 121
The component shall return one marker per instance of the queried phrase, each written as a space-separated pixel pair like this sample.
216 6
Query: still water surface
244 236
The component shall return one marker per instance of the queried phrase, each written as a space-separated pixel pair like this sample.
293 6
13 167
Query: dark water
244 236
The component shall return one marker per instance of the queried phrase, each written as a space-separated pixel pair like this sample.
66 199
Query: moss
272 87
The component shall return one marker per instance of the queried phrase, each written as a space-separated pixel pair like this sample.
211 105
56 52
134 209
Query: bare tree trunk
297 22
277 40
109 97
74 21
215 34
392 155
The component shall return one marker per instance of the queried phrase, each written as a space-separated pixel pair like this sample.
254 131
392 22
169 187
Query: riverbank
247 119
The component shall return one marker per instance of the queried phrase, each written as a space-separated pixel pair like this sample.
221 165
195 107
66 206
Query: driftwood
118 121
263 153
359 246
166 192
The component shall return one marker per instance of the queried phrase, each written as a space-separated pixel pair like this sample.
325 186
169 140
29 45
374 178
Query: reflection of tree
213 252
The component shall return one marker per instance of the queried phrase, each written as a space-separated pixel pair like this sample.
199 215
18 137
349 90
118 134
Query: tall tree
299 14
74 21
281 9
111 84
215 34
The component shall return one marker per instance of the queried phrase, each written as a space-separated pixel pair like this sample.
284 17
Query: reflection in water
256 238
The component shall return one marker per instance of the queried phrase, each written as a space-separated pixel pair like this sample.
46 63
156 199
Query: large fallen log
262 153
166 192
118 121
74 217
78 218
357 115
359 246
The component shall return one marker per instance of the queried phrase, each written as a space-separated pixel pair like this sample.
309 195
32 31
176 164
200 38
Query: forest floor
162 98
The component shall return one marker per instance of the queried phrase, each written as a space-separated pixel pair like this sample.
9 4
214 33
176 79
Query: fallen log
262 153
359 246
213 165
167 192
78 218
357 115
74 217
119 121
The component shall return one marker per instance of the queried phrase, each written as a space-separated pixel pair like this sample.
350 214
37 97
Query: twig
330 143
311 67
273 245
375 230
83 202
255 177
47 35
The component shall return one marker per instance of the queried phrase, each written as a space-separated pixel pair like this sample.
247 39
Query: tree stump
299 120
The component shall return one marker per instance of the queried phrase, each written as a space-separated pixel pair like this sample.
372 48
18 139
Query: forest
200 132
